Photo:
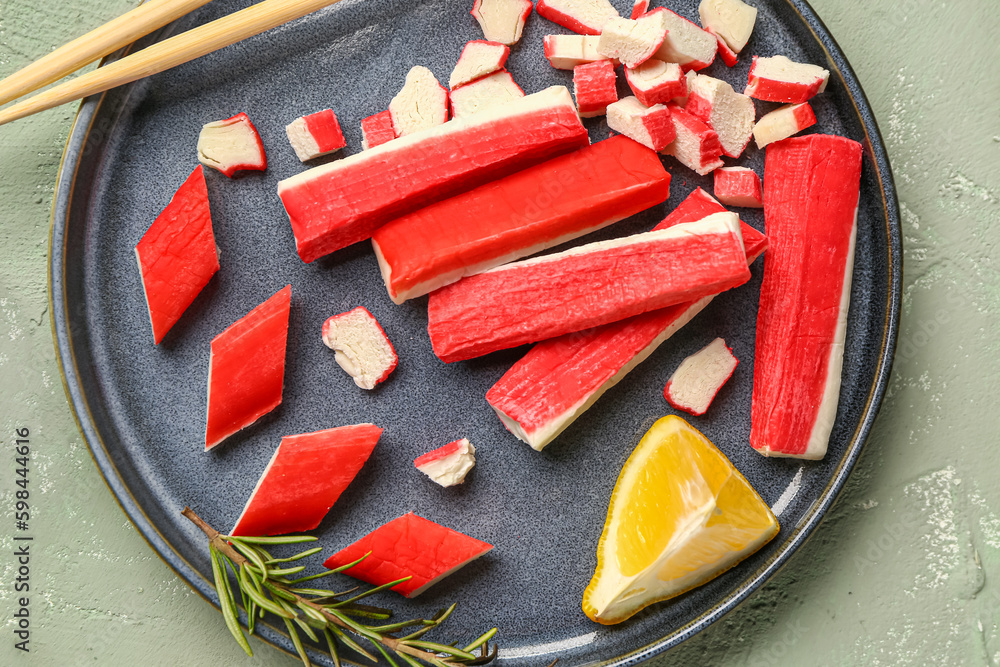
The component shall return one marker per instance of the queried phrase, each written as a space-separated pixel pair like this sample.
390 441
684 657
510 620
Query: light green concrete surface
903 571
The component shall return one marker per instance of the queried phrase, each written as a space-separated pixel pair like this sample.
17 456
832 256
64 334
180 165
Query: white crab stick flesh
448 465
377 130
727 112
315 135
633 42
686 43
586 17
478 59
738 186
783 123
559 379
502 20
490 91
519 215
697 146
731 21
361 346
337 204
650 126
639 7
421 104
595 86
577 289
656 82
811 190
568 51
694 384
231 145
779 79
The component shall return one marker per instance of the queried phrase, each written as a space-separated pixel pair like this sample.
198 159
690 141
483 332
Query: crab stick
639 7
633 41
315 135
519 215
782 123
727 112
478 59
686 43
377 130
595 87
496 89
811 190
409 546
779 79
694 384
697 145
232 145
421 104
361 346
650 126
448 465
586 17
502 20
337 204
559 379
731 21
595 284
738 186
568 51
656 82
304 479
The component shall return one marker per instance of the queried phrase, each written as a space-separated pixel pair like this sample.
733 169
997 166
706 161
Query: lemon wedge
680 515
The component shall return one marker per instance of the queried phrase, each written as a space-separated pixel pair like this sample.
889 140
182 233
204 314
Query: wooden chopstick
169 53
98 43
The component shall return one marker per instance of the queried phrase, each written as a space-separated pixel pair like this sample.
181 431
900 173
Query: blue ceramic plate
142 408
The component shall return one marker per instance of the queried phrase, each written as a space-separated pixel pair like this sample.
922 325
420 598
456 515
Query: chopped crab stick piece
361 346
568 51
231 145
337 204
497 89
315 135
421 104
502 21
731 21
697 146
728 56
409 546
650 126
779 79
519 215
478 59
595 87
656 82
595 284
689 77
639 7
727 112
586 17
246 372
633 42
686 44
738 186
304 479
811 194
559 379
694 384
177 255
782 123
377 130
448 465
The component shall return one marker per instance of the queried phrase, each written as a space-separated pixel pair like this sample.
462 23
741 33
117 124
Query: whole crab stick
559 379
595 284
304 478
519 215
811 190
337 204
409 546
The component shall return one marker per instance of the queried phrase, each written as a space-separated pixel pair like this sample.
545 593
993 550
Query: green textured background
902 572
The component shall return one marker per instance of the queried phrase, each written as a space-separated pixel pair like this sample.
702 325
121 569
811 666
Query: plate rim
78 138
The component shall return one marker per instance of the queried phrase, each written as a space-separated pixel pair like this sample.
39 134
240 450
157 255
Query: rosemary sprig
264 586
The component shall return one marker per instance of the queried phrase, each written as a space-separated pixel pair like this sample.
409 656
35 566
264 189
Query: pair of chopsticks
153 59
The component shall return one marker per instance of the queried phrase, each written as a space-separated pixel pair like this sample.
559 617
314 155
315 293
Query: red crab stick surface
811 190
305 477
519 215
177 254
337 204
247 369
409 546
595 284
559 379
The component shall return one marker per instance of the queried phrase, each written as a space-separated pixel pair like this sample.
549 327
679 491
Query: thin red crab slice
586 17
409 546
478 58
304 479
568 51
247 370
699 378
232 145
778 79
177 254
448 465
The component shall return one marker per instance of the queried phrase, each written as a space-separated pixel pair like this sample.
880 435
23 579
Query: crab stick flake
409 546
697 145
177 255
811 190
686 43
694 384
478 59
731 21
779 79
421 104
304 479
782 123
633 42
315 135
247 369
595 87
650 126
502 20
738 186
448 465
656 82
231 145
639 7
568 51
490 91
361 346
728 56
377 130
586 17
727 112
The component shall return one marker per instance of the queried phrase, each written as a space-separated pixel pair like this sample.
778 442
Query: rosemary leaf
350 565
287 539
351 644
372 591
297 642
364 611
356 627
385 654
299 556
409 661
226 602
251 554
318 575
306 629
332 644
278 592
264 603
288 570
482 640
314 591
395 627
310 611
441 648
